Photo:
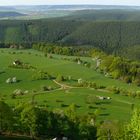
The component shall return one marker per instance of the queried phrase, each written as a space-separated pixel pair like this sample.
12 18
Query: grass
108 109
117 108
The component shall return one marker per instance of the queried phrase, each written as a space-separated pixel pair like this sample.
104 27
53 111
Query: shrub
44 88
137 82
41 75
59 101
59 78
127 79
13 96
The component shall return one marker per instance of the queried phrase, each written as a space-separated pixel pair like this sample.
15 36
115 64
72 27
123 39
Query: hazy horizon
70 2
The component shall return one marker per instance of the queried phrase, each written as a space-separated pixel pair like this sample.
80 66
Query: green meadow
119 107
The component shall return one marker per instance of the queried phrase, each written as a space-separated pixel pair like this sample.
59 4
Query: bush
64 105
13 96
59 78
137 82
41 75
90 107
113 89
59 101
44 88
127 79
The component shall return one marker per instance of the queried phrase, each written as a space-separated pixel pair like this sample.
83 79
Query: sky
63 2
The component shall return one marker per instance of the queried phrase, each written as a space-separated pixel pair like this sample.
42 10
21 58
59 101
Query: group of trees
118 67
41 75
61 49
37 122
34 121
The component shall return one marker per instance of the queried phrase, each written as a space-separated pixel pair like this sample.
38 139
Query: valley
69 72
59 97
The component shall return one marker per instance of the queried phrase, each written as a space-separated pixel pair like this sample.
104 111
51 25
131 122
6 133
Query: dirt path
63 86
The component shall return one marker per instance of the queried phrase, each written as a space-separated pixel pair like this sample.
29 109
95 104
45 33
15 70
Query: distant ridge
10 14
7 8
66 7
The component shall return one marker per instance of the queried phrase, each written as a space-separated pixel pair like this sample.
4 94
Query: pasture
119 107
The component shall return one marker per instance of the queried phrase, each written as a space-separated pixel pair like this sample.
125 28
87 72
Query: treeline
39 123
51 48
117 67
110 36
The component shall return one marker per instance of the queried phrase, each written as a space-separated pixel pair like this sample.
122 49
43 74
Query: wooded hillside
112 37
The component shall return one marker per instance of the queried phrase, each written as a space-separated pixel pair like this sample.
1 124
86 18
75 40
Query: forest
113 37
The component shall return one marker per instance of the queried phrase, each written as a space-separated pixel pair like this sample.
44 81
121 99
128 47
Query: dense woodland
117 14
39 123
117 37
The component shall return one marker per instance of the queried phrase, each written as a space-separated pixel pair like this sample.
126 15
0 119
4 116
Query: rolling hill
110 29
65 77
10 14
106 15
110 36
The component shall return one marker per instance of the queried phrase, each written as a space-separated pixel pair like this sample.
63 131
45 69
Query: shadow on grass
1 72
104 114
64 105
77 106
103 108
59 101
102 103
43 105
92 107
